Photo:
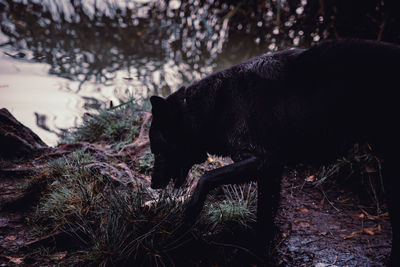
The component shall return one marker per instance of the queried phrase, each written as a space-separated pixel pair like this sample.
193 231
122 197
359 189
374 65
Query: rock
17 140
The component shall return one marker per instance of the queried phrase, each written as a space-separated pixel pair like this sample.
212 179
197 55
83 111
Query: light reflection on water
44 97
60 60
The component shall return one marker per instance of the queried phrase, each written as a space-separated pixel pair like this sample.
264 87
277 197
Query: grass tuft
73 191
360 169
146 163
238 206
118 224
118 126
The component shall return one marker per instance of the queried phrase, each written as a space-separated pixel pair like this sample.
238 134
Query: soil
328 226
318 226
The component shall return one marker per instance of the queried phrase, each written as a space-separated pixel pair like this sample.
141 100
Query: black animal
294 106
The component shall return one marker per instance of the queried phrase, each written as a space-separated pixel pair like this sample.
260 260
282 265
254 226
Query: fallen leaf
304 210
344 200
300 225
220 163
10 238
368 231
16 260
369 169
353 234
369 216
310 178
59 255
150 203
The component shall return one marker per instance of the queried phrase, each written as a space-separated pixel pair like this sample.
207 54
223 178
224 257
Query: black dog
295 106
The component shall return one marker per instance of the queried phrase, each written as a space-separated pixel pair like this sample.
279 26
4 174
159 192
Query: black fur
295 106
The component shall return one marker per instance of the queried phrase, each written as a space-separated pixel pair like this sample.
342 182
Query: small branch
326 197
142 140
381 28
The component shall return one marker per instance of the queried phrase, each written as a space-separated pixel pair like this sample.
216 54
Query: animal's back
356 81
315 102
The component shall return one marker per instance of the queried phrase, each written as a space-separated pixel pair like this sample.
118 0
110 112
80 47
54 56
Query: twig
122 104
326 197
381 28
45 239
142 140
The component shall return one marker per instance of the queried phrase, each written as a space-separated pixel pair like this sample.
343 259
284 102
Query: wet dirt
318 226
328 226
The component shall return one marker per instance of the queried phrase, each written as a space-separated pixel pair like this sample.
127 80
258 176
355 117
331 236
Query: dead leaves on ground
376 229
15 260
310 178
372 217
299 224
20 260
58 256
10 238
304 210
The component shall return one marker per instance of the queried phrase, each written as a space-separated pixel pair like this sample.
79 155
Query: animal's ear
158 104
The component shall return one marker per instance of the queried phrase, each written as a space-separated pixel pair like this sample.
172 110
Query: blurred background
62 58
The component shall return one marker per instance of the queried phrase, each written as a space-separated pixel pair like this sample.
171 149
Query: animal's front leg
236 173
269 185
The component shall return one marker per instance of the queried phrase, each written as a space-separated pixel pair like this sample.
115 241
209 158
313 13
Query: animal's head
173 141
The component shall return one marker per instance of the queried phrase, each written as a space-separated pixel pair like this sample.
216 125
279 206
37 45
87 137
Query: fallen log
17 140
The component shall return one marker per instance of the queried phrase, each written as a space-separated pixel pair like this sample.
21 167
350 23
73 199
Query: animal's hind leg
269 185
391 178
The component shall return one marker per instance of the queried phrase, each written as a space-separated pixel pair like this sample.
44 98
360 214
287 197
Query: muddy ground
319 226
329 226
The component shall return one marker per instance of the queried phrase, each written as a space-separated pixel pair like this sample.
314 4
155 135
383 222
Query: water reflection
111 50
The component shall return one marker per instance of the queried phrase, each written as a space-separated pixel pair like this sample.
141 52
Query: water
59 60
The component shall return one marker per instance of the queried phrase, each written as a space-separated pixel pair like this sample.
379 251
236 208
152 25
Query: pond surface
60 59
